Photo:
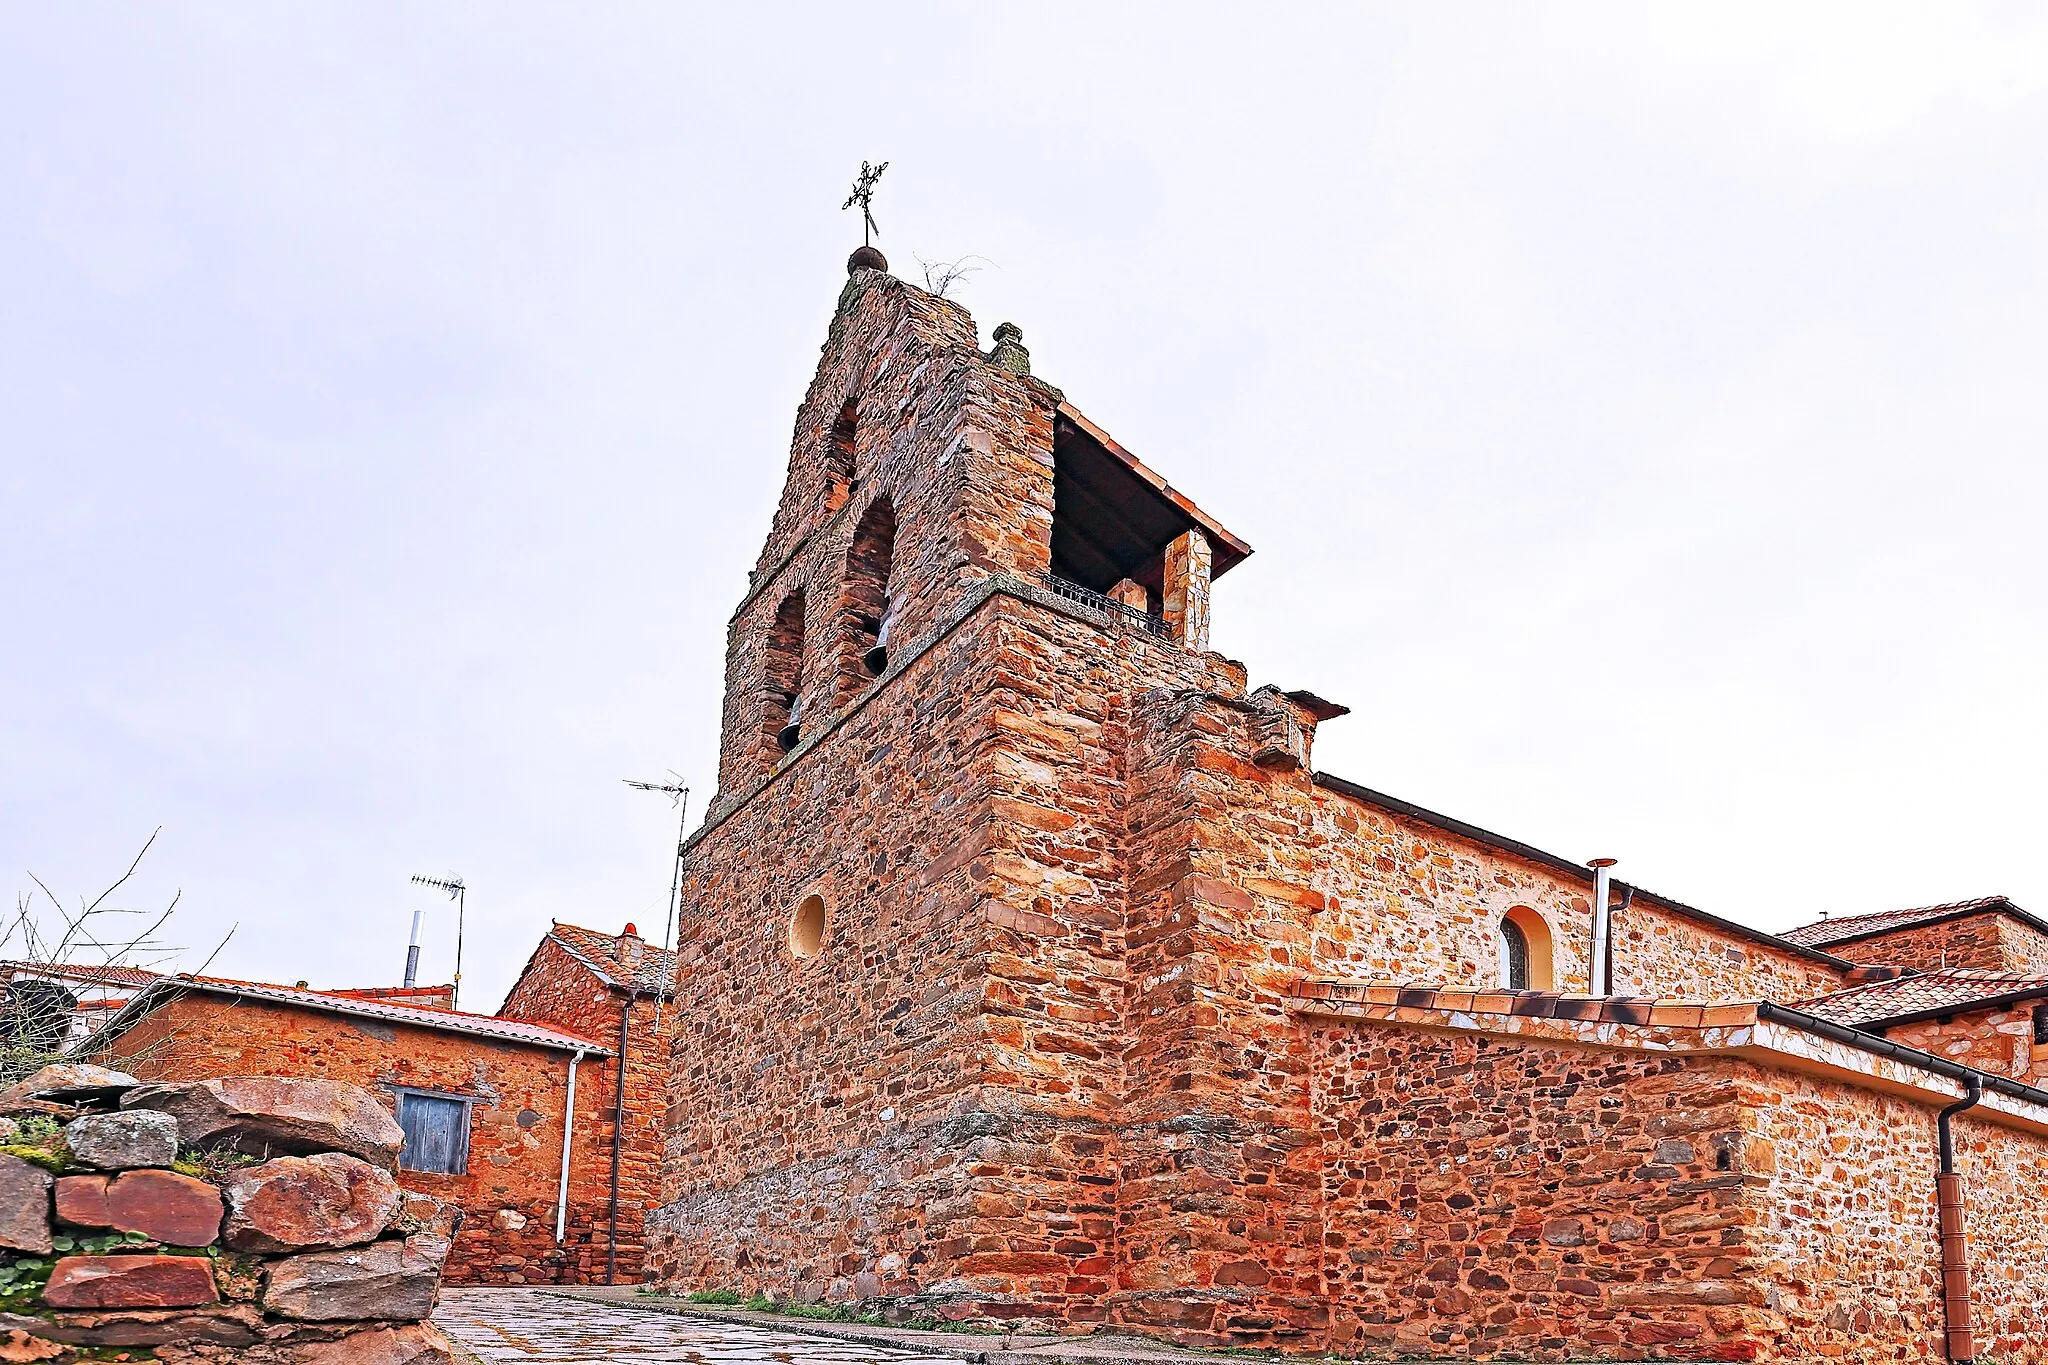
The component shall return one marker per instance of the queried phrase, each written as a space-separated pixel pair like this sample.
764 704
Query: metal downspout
1961 1337
568 1136
611 1255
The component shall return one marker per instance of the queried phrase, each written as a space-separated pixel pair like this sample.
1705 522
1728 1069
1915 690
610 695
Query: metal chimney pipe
1603 930
412 953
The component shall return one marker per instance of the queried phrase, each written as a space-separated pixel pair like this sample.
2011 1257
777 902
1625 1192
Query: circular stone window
807 928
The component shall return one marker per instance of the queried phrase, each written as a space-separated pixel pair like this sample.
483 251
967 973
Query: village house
1033 973
52 1006
514 1116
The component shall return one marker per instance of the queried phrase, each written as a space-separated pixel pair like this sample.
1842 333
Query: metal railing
1088 597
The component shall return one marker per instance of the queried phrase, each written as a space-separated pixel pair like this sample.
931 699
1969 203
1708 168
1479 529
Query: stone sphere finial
866 258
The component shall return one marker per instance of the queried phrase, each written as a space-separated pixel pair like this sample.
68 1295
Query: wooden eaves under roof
1113 518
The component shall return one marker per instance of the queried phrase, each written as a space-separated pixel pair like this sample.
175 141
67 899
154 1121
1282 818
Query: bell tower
930 972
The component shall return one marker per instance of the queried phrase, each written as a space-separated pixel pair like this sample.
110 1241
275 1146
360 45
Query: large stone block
312 1203
131 1282
161 1205
384 1280
419 1343
227 1325
68 1083
273 1115
429 1225
119 1142
24 1206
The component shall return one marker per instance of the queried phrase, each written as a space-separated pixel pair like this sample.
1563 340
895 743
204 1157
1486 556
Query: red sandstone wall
1998 1041
1219 1224
1414 903
558 991
1657 953
1990 941
823 1119
515 1127
962 451
1486 1197
1848 1233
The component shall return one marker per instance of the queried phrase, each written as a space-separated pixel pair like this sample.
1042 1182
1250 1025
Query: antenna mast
458 893
678 793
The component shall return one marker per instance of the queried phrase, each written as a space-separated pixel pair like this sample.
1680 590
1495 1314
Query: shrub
727 1296
214 1163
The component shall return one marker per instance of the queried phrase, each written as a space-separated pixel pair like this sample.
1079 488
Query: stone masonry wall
821 1110
1413 902
1657 952
962 451
1219 1224
560 992
1991 941
1998 1041
1487 1197
251 1220
1490 1195
1846 1232
507 1196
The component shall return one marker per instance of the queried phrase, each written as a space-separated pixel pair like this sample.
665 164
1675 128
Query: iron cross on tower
864 195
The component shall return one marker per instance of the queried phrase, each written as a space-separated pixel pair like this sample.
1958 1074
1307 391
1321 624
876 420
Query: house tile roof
1952 989
104 974
1846 928
445 1021
621 960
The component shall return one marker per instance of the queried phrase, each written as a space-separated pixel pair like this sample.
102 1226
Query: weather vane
864 195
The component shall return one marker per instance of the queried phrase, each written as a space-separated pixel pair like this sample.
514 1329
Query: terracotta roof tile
1951 988
445 1021
611 957
92 975
1844 928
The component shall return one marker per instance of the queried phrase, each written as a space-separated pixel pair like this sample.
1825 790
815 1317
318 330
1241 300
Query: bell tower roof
1114 516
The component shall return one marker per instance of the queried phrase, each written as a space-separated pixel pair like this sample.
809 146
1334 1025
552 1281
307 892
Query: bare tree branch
941 276
60 959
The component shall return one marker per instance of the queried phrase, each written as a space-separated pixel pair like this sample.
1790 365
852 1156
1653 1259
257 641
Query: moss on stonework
56 1158
238 1277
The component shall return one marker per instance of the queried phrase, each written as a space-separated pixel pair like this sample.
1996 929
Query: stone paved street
524 1327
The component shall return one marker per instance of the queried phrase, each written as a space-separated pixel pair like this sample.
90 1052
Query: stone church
1033 974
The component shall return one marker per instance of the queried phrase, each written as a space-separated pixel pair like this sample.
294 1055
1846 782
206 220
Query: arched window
1513 949
864 602
1522 951
782 680
839 443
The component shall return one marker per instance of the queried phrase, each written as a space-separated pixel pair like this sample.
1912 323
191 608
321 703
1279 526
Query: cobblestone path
522 1327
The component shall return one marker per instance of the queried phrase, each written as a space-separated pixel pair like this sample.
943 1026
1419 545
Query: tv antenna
678 793
864 195
458 893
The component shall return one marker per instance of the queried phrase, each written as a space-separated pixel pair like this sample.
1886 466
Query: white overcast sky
1638 413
